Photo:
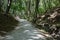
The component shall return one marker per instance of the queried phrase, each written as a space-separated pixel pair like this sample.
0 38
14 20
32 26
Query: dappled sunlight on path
25 31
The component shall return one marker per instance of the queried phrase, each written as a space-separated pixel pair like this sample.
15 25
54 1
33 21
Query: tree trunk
0 5
36 10
8 6
28 11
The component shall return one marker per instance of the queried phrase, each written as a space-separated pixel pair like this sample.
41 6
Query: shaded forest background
27 9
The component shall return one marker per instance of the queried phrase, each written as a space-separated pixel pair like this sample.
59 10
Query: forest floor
50 22
24 31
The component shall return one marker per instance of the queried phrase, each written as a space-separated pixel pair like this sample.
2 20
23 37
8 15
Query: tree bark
36 10
0 5
8 6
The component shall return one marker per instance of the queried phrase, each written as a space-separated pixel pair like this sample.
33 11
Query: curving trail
25 31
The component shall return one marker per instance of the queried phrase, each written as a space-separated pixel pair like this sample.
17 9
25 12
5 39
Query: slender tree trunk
8 6
29 6
28 11
0 5
36 10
